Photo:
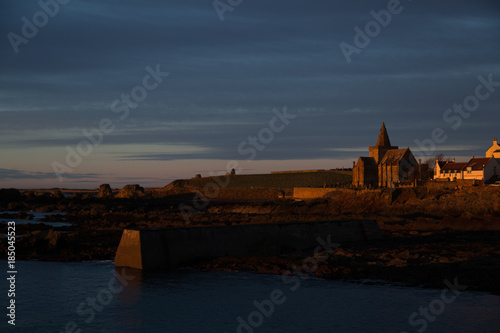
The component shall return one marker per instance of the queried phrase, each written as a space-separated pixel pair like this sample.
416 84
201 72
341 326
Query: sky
125 92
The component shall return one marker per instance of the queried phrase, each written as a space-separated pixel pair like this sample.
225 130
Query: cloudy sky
85 97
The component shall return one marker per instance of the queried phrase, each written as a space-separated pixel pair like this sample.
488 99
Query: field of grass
274 181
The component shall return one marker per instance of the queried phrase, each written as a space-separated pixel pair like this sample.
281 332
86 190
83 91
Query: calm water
53 295
37 217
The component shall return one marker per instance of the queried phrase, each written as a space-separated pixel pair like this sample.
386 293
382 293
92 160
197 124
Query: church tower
383 145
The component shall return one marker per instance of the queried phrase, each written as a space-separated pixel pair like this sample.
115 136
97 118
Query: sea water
96 297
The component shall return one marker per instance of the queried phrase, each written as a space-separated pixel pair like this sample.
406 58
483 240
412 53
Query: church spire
383 138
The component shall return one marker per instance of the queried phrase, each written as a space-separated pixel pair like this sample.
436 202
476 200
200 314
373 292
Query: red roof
451 166
478 163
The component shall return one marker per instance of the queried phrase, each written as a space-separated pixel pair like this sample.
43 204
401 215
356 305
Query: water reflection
129 299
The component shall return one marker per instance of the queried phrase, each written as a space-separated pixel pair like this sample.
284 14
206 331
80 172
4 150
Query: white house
484 168
449 170
494 150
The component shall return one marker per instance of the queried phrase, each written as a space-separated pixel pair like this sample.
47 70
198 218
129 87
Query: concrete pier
151 249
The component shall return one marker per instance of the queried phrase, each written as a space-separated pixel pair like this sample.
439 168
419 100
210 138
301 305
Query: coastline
422 246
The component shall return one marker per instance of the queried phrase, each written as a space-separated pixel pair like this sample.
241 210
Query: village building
449 170
486 169
386 166
494 150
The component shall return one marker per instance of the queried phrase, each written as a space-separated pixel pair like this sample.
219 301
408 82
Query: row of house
485 169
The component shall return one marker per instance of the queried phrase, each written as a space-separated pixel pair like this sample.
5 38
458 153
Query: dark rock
105 191
57 194
10 195
131 191
40 241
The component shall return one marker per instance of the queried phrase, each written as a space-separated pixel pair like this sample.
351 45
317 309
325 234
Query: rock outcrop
57 194
130 192
41 241
105 192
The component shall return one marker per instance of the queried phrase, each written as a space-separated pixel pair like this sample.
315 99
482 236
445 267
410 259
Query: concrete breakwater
151 249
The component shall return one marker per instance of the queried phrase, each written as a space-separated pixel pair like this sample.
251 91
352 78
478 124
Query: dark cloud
226 77
9 174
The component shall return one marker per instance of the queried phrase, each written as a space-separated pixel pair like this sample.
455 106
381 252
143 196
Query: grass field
274 181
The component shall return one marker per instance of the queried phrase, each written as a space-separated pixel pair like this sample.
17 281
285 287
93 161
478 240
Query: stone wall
388 175
314 192
297 171
240 194
167 248
450 185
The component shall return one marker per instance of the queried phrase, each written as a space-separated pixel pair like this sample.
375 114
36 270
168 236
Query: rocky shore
472 258
430 235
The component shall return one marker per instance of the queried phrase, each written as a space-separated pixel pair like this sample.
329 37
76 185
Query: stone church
386 166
